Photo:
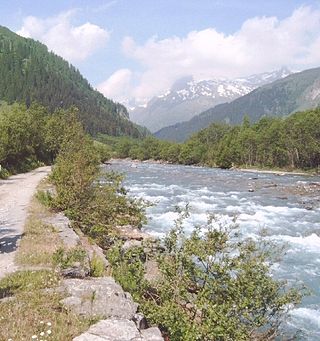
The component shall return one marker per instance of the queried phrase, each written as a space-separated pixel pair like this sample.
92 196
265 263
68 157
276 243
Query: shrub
212 285
66 258
45 198
97 267
4 174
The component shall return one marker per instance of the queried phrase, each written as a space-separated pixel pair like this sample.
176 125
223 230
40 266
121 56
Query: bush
45 198
94 201
4 174
97 267
66 258
211 286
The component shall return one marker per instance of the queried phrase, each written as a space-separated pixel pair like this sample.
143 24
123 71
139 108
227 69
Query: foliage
66 258
35 312
290 143
45 197
212 285
97 266
28 73
95 201
128 269
22 137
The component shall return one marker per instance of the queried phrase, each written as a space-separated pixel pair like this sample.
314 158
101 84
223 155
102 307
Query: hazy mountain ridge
187 98
29 72
295 92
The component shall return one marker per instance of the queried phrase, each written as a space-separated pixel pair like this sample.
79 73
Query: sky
139 48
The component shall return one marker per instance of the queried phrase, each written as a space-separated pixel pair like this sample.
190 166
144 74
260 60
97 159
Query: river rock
119 330
129 244
151 271
128 232
98 297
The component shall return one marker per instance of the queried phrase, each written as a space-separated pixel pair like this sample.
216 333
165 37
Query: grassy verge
29 299
40 240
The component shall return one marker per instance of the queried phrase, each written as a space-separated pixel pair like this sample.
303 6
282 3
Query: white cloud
74 43
261 44
118 85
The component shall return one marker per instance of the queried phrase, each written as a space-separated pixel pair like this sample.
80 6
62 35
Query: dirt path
15 195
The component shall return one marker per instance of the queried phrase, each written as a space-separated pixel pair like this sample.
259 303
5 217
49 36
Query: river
258 200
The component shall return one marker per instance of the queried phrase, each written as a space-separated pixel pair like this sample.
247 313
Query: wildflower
33 337
42 333
49 332
49 324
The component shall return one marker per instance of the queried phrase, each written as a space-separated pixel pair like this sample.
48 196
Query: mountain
298 91
28 72
187 98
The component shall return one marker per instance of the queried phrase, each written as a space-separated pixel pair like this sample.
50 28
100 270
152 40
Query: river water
258 200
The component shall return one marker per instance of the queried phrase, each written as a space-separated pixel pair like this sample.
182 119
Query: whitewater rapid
259 202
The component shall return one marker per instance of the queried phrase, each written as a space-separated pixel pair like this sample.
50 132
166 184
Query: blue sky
138 48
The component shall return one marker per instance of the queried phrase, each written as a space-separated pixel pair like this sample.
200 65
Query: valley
180 146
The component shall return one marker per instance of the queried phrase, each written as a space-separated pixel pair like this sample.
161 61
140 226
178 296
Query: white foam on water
185 197
309 243
203 190
156 199
311 315
202 206
286 221
165 220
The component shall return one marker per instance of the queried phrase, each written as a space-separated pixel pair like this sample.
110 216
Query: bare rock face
111 330
69 238
151 334
119 330
98 297
75 271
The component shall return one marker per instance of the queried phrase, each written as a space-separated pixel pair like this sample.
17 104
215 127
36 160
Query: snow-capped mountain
187 98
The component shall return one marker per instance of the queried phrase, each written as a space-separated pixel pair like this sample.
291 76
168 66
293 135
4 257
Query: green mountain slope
28 72
296 92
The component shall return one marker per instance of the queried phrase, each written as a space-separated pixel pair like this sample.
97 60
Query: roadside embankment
60 288
15 195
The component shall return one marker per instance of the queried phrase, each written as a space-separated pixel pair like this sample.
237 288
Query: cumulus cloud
118 85
74 43
261 44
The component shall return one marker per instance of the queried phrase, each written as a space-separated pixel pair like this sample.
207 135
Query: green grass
32 306
30 300
40 240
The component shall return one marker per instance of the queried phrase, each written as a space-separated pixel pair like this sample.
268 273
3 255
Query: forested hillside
28 72
299 91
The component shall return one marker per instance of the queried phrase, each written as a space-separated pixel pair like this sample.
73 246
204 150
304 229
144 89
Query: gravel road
15 195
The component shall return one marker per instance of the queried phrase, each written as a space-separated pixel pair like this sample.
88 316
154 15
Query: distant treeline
289 143
30 136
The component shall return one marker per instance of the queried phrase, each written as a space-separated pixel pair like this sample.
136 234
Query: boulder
119 330
111 330
152 272
151 334
77 270
128 232
101 297
69 238
140 321
129 244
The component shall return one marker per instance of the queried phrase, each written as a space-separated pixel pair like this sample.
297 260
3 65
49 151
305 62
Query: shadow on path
9 244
